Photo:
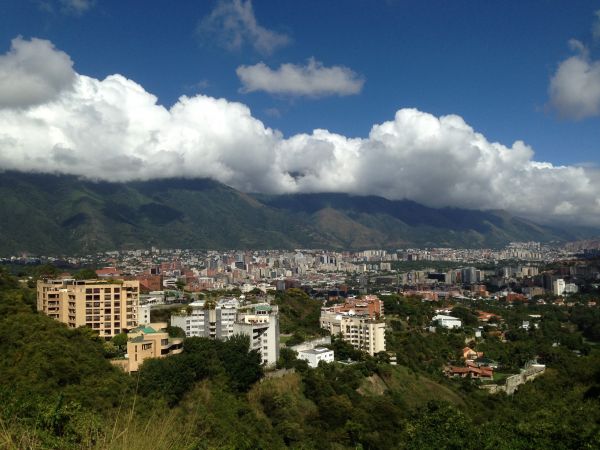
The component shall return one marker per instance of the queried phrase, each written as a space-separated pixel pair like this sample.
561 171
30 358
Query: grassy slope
414 389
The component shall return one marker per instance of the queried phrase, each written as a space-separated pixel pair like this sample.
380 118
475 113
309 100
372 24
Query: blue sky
489 62
338 66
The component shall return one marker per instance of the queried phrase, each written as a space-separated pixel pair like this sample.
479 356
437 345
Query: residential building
363 332
369 305
207 318
260 323
447 321
315 355
108 308
558 286
150 341
571 288
473 371
143 314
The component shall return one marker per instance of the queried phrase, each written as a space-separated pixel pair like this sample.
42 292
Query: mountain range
61 214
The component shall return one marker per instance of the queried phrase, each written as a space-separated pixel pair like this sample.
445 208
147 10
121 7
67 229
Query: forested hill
43 213
58 390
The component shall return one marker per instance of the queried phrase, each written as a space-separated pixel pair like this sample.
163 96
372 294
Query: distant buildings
109 308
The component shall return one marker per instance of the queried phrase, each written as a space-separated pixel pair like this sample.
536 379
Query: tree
175 332
287 358
85 274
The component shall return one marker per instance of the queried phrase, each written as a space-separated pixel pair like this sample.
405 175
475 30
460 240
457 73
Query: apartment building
260 323
150 341
369 305
207 318
361 331
106 307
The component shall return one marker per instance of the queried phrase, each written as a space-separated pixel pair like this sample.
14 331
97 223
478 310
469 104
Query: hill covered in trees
58 390
54 214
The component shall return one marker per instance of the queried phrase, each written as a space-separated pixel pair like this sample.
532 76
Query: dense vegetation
298 315
58 390
49 214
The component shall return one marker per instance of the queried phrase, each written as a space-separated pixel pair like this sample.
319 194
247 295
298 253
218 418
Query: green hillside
56 214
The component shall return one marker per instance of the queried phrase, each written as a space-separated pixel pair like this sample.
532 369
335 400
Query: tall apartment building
261 324
358 321
558 286
208 319
361 331
106 307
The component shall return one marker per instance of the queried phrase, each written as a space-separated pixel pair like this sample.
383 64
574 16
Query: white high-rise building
206 318
261 324
558 286
143 314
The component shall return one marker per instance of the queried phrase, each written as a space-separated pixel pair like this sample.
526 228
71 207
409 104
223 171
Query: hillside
362 221
64 214
56 214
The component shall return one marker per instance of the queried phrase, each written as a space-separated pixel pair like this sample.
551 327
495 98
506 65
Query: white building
363 332
261 324
316 355
143 314
571 288
208 318
558 286
447 321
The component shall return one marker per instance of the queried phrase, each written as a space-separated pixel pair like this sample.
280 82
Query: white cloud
596 26
234 25
73 7
575 87
115 130
33 72
77 6
312 80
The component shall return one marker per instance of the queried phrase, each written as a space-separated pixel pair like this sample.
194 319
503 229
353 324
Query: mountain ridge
64 214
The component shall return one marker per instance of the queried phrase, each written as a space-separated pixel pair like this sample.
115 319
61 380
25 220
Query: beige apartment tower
363 332
106 307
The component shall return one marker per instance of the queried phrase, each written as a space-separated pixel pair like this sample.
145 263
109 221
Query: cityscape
259 224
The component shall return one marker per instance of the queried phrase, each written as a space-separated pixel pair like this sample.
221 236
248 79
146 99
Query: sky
485 105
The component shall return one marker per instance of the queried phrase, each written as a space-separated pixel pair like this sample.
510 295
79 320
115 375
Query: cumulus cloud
312 80
575 87
33 72
114 129
596 26
234 25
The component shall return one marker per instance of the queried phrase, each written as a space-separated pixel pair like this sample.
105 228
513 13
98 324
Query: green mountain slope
52 214
363 221
63 214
